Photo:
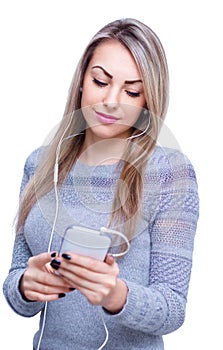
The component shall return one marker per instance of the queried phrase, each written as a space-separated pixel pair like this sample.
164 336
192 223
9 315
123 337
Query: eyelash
132 94
99 83
102 84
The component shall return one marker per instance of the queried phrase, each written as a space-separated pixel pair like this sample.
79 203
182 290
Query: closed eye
132 94
99 83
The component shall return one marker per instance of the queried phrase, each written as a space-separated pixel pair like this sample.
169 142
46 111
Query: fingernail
72 289
66 256
61 295
53 255
55 264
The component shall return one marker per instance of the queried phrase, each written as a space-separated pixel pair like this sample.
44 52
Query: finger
39 260
87 262
49 280
36 296
43 282
38 291
48 289
49 268
109 259
80 277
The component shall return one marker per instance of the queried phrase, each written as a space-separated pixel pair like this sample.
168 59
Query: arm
160 308
29 283
21 254
11 287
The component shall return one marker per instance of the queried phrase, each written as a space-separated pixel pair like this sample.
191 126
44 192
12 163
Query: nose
112 97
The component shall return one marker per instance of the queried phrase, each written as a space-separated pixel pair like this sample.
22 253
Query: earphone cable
106 330
103 230
54 221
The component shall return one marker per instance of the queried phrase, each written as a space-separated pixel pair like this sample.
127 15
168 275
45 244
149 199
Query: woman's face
113 95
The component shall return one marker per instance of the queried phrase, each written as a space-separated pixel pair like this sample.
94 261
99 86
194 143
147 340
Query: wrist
115 302
21 289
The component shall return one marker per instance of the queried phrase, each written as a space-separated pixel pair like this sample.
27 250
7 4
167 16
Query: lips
106 118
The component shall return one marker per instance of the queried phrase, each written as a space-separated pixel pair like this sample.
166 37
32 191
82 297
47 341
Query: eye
99 83
132 94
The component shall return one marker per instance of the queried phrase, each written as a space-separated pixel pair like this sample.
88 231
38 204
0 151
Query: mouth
106 118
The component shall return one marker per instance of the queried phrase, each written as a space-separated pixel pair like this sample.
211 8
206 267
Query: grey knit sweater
157 268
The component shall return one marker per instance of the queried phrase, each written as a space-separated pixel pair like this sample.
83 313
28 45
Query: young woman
103 168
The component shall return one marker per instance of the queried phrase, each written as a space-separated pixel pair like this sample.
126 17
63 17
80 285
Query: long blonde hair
150 58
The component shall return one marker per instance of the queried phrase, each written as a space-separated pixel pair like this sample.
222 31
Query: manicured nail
72 289
61 295
53 255
55 264
66 256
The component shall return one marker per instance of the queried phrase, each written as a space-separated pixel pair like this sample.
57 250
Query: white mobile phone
85 241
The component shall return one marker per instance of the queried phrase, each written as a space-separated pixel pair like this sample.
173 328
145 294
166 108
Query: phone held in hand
84 241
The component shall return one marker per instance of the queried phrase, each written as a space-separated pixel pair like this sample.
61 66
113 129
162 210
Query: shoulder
170 175
168 158
170 166
163 156
32 161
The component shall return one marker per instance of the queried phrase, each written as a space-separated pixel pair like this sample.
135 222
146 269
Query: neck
104 151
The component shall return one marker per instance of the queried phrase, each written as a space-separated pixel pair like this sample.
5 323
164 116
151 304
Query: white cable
103 229
55 180
106 330
114 232
141 133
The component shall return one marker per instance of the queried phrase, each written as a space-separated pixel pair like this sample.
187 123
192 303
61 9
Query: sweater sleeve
160 307
21 254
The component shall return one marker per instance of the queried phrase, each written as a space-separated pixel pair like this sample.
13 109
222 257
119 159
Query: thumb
109 259
41 259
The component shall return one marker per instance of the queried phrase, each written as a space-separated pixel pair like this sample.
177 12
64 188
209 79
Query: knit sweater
156 269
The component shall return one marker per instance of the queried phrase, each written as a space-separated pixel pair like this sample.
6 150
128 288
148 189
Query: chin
108 132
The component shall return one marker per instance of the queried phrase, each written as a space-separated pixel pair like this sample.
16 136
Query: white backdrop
41 42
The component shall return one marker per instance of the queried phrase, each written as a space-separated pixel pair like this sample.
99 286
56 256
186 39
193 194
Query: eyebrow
110 76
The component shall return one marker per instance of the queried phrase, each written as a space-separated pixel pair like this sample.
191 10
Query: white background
41 42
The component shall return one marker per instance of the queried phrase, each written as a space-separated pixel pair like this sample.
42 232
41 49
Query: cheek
132 113
90 95
90 98
88 115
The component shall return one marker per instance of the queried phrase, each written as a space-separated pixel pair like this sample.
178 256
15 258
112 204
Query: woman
103 168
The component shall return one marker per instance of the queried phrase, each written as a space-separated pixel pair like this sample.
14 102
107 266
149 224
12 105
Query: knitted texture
157 268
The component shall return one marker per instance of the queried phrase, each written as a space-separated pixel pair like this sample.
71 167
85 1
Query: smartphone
85 241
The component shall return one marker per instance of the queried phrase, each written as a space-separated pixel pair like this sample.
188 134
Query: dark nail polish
53 255
72 289
61 295
56 261
66 256
55 264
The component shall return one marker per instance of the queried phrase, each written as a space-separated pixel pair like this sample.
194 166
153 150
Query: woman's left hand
97 280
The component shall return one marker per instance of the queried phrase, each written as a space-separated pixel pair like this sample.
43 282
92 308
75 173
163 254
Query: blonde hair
150 58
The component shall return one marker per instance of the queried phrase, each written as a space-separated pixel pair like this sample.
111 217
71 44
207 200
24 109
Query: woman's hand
38 283
97 280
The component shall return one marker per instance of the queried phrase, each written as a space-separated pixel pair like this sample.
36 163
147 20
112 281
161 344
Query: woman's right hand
40 283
